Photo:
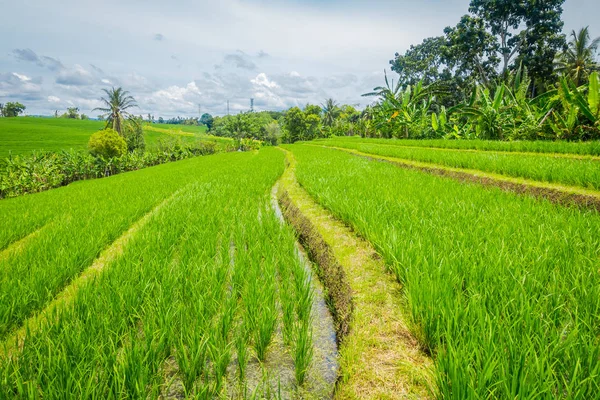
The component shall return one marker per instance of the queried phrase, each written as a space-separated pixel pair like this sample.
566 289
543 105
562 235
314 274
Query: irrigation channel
556 193
379 357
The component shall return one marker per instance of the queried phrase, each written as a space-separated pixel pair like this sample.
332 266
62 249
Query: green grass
584 173
503 290
24 135
581 148
198 283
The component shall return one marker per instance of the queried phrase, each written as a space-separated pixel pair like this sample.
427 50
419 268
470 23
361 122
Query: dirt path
380 359
14 341
560 194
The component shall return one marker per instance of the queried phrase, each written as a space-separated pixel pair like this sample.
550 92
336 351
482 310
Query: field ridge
19 244
560 194
15 340
379 356
571 156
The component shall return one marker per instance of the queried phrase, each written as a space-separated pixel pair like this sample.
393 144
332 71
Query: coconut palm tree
117 102
578 61
331 111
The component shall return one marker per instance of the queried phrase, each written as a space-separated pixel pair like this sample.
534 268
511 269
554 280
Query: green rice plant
98 211
303 351
177 294
241 343
191 354
575 172
304 294
286 296
591 148
502 290
266 324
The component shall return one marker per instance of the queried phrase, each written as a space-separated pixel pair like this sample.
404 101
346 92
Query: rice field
208 291
186 280
24 135
502 290
591 148
583 173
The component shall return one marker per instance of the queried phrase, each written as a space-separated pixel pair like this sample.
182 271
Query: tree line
505 71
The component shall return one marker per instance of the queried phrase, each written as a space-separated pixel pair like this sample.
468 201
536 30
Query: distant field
24 135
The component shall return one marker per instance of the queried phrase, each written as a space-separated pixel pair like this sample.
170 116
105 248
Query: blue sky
175 55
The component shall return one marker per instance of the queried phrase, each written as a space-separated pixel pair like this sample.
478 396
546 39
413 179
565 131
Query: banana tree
580 114
404 109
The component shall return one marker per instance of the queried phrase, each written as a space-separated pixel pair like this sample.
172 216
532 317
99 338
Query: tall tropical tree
331 111
116 104
578 61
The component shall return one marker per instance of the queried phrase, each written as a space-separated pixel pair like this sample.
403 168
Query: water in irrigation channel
275 377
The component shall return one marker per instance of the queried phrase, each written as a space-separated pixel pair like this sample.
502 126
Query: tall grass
503 290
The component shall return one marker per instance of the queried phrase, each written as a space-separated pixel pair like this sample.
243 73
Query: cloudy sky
175 55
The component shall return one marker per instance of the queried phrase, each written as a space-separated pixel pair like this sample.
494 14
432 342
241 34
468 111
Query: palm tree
331 111
578 61
117 102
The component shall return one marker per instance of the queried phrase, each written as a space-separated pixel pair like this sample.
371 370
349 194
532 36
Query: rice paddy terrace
24 135
340 268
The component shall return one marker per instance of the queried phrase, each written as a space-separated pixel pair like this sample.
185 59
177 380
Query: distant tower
199 111
251 105
227 107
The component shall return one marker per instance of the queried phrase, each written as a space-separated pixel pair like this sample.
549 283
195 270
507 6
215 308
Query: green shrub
42 171
107 144
133 134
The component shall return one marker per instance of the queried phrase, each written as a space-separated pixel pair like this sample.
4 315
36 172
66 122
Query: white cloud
53 99
23 78
76 76
332 49
262 80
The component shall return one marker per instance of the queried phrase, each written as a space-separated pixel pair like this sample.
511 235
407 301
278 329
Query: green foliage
199 276
107 144
499 286
24 135
207 120
42 171
584 149
72 113
567 171
11 109
295 125
116 103
578 60
248 125
503 112
273 133
133 133
245 144
497 33
470 51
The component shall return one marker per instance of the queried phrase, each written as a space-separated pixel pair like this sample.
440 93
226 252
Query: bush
107 144
133 133
42 171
